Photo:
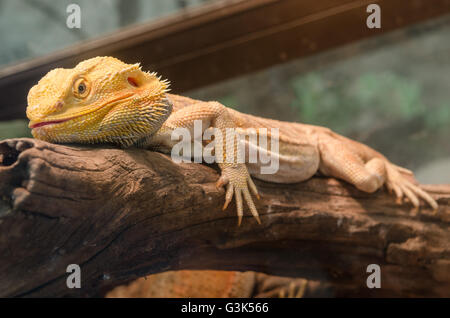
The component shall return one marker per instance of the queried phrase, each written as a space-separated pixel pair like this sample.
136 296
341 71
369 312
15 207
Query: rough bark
123 214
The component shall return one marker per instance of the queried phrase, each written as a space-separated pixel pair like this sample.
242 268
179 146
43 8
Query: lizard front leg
234 174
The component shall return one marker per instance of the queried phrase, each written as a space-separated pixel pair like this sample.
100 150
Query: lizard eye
81 88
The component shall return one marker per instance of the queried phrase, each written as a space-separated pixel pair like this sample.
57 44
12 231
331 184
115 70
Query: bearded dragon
104 100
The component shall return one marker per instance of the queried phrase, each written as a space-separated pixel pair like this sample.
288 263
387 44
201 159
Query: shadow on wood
124 214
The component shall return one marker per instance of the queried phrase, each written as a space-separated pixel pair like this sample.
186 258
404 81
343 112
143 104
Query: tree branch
123 214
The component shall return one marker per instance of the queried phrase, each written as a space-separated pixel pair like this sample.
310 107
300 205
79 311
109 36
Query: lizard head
99 100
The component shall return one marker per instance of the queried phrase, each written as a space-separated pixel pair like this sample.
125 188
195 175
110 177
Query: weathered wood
123 214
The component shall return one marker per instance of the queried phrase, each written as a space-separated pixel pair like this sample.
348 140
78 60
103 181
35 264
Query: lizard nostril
132 82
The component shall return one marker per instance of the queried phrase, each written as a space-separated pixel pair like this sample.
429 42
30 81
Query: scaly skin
217 284
103 100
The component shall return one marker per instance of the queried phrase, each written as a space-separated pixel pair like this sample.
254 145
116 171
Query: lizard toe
228 195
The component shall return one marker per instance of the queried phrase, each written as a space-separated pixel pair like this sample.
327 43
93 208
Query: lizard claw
253 187
402 187
228 196
239 184
294 290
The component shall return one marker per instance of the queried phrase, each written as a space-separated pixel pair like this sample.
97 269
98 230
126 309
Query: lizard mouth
45 123
58 121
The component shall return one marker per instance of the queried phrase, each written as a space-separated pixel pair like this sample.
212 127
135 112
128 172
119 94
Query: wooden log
123 214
